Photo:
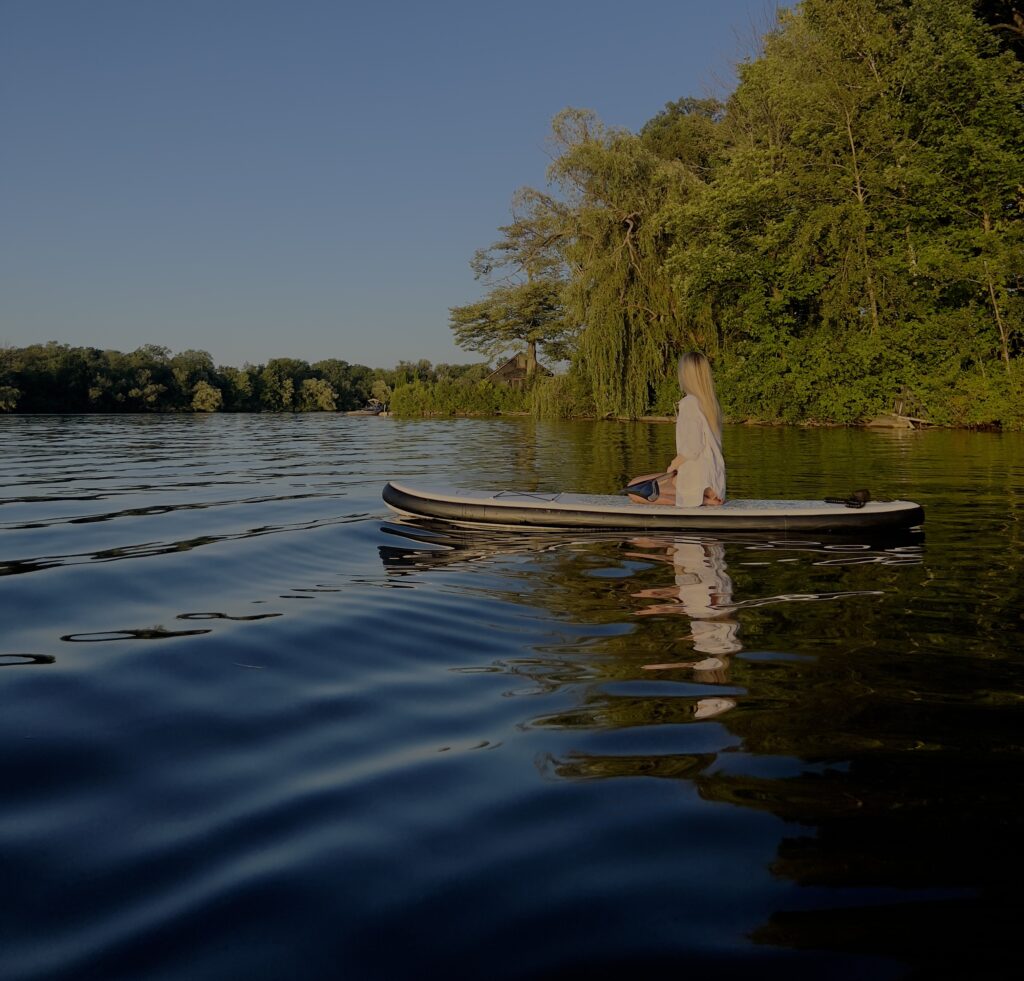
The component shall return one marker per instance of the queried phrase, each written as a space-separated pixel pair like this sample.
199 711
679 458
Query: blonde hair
695 379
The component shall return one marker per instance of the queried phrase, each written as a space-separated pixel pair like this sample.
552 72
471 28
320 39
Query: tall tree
863 231
971 136
280 380
316 395
690 131
619 195
525 274
188 369
510 315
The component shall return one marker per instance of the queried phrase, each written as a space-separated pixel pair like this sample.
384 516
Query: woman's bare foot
711 499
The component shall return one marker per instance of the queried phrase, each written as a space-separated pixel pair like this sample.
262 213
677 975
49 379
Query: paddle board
521 509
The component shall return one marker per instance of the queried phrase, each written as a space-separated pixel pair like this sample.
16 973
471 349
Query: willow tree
618 196
690 131
206 397
850 223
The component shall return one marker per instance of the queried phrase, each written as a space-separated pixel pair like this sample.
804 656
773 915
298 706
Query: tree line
55 377
846 227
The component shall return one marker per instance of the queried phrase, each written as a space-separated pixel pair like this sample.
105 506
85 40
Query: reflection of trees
931 817
684 766
568 577
579 456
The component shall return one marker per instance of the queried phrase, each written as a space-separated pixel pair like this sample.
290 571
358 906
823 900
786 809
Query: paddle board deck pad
520 509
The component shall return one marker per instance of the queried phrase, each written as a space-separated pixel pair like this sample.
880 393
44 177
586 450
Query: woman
697 471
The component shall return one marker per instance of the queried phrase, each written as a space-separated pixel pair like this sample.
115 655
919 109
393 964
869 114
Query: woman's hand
677 462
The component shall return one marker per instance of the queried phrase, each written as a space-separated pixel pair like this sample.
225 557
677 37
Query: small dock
906 414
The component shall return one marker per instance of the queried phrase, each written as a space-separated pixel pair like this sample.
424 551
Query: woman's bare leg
711 499
667 488
639 480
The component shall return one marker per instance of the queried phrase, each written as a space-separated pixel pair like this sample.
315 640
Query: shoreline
887 421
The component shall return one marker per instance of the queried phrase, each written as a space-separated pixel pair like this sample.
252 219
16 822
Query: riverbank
889 421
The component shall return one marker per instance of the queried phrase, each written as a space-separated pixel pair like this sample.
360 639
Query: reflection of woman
697 471
702 587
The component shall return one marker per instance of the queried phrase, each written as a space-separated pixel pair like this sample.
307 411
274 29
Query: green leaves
869 194
510 315
57 378
525 272
616 246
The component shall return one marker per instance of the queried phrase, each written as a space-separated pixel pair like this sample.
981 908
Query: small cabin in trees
514 371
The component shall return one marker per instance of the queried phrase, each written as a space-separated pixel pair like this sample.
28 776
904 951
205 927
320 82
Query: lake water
253 727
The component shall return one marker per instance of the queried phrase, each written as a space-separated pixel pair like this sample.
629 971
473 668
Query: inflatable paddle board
520 509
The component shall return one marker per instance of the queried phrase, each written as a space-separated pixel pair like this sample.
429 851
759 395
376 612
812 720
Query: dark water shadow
148 511
225 616
150 633
21 660
149 549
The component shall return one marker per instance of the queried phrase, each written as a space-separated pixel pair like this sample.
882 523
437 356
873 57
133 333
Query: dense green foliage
58 378
458 397
454 390
847 227
566 396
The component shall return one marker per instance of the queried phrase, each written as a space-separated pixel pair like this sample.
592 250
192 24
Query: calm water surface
252 727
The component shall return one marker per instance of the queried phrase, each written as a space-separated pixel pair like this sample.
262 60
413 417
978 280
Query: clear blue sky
303 178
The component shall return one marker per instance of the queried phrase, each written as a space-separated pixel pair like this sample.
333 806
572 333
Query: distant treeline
56 377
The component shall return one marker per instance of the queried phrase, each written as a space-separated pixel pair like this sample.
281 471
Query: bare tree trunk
531 358
872 299
861 194
1004 341
1004 344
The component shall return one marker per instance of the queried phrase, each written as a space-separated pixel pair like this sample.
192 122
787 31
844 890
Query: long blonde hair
695 379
